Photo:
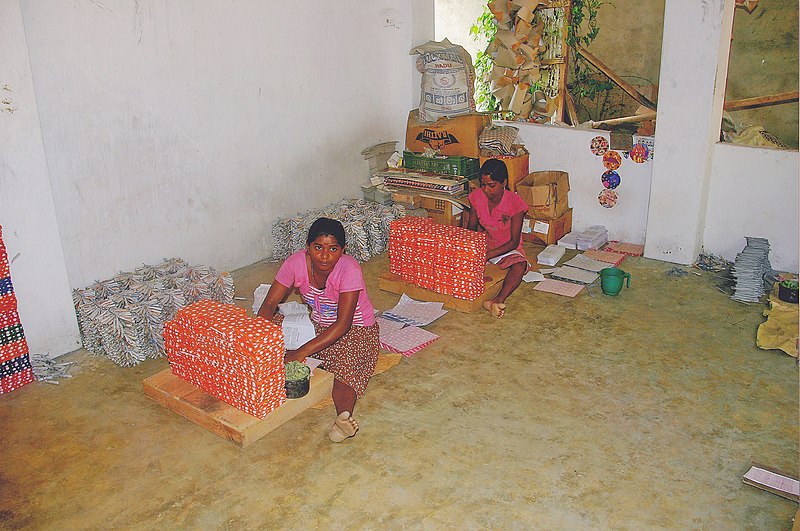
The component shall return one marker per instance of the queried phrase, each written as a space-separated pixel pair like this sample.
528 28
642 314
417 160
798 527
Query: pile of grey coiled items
123 317
366 228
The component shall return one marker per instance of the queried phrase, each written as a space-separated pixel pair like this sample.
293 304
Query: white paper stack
570 240
592 238
589 264
551 255
749 269
573 274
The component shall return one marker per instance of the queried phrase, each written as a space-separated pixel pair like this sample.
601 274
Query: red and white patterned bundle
15 365
228 354
441 258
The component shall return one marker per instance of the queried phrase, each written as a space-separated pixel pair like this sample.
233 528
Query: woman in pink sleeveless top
347 340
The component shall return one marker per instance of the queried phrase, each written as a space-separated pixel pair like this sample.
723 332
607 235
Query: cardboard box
546 193
448 136
517 168
443 210
546 231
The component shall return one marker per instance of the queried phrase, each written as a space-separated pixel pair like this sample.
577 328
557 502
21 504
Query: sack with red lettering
448 80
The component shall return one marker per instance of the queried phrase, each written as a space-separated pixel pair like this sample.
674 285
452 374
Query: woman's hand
294 355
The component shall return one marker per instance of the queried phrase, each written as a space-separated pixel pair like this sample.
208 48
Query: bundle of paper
573 274
441 258
234 357
415 313
408 340
592 238
422 180
628 249
15 364
550 255
613 259
581 261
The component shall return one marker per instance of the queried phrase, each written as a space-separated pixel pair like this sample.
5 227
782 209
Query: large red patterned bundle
228 354
440 258
15 365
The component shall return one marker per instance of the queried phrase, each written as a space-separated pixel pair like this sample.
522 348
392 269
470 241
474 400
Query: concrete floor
637 412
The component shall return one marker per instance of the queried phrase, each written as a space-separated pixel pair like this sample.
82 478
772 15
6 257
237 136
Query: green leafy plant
297 371
484 28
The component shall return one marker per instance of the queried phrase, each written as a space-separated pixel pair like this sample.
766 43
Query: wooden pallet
222 419
494 277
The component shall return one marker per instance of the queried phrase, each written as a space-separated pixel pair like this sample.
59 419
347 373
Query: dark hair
496 170
326 227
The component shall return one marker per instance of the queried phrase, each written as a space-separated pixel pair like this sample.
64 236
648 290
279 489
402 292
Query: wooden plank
626 119
221 418
394 284
572 113
624 85
762 101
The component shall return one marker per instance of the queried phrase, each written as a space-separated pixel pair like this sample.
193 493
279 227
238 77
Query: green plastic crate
451 165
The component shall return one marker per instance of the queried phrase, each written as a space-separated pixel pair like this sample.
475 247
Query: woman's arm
277 294
472 223
344 321
513 242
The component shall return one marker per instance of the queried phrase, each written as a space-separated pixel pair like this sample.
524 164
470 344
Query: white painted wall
27 215
567 149
186 128
754 192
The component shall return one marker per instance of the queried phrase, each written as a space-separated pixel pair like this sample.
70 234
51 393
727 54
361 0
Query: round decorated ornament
599 145
612 160
610 179
639 153
608 198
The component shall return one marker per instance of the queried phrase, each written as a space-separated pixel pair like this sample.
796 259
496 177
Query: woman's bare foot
497 309
344 427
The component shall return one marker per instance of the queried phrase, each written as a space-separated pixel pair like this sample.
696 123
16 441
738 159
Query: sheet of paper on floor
567 289
416 313
408 341
387 326
547 271
533 276
630 249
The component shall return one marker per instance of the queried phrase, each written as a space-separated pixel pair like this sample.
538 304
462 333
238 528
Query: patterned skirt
352 357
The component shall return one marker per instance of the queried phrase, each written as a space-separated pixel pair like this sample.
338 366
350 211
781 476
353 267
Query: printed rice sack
448 80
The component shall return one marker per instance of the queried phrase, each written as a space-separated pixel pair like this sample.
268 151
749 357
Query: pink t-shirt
497 223
346 276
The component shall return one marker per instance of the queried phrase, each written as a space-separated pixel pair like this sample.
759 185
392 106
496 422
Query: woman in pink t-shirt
347 340
499 212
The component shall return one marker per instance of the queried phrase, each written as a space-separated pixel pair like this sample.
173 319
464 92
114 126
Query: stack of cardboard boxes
549 217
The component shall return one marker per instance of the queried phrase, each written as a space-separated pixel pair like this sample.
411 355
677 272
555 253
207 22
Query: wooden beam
572 114
624 85
761 101
626 119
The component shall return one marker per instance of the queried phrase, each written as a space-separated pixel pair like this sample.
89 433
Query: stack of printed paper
551 255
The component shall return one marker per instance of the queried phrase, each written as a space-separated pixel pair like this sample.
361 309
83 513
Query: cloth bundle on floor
15 364
441 258
123 317
234 357
366 228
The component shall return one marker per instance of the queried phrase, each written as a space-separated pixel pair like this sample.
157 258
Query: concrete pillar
694 58
27 211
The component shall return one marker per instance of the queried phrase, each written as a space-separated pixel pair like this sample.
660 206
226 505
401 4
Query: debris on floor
48 370
749 269
676 272
710 262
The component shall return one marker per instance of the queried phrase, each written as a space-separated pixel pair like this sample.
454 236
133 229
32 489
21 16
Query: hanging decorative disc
608 198
611 179
599 145
612 160
639 153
